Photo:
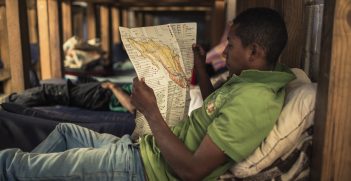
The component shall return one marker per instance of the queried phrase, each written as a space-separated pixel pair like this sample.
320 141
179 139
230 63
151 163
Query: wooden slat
4 74
55 39
139 19
332 136
44 37
149 19
32 21
105 30
4 47
125 18
67 19
115 25
49 39
91 19
78 22
153 2
293 12
218 22
18 36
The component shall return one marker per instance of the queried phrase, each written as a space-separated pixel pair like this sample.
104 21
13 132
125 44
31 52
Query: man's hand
205 84
108 85
199 57
143 97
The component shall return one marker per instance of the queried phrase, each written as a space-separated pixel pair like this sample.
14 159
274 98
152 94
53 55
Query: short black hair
265 27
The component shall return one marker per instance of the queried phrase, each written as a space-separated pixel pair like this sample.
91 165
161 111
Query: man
92 95
232 122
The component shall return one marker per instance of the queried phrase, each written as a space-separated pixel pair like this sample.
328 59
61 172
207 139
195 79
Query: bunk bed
331 130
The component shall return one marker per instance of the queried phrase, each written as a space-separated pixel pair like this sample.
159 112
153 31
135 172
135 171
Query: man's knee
65 127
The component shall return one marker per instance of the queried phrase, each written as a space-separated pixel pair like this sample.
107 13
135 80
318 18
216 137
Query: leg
67 136
90 95
119 161
44 95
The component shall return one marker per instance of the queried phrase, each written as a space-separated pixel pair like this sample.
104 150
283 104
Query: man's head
255 41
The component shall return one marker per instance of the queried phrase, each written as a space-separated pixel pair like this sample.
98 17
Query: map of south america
160 54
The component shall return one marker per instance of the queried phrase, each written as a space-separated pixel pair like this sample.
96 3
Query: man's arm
120 95
205 84
186 164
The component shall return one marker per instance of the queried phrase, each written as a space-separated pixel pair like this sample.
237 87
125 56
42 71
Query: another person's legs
87 95
111 159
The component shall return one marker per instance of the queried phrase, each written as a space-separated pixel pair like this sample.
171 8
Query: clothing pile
81 54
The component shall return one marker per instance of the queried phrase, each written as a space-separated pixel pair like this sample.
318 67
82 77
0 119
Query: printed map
163 56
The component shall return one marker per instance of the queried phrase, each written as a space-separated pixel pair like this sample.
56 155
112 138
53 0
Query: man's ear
257 52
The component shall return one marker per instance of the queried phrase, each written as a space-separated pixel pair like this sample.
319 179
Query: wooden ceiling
154 2
140 3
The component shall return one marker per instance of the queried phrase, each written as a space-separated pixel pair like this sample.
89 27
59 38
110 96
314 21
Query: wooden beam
91 20
32 21
18 36
67 19
4 48
49 39
55 39
78 22
293 13
218 22
44 38
115 25
125 18
332 135
105 30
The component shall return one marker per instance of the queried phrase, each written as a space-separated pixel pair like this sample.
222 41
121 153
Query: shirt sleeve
243 121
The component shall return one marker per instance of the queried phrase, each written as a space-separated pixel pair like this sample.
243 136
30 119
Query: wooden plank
67 19
4 74
18 36
125 18
4 47
218 22
149 19
78 22
55 39
44 37
139 19
32 21
91 21
115 25
332 136
293 13
105 31
49 39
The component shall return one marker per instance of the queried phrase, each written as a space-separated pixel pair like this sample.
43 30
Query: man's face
237 56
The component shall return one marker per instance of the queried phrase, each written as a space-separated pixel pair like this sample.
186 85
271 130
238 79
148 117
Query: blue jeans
72 152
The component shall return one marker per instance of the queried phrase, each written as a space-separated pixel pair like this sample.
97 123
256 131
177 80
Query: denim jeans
72 152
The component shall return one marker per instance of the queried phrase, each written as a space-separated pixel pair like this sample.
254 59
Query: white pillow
296 116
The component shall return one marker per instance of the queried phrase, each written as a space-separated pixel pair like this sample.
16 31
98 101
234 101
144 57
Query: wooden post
32 21
4 48
49 39
332 136
91 21
115 25
125 18
105 31
18 41
218 23
67 19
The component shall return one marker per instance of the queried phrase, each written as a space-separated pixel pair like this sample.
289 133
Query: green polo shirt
114 104
237 117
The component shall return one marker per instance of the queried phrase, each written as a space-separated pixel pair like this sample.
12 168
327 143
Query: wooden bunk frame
331 160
